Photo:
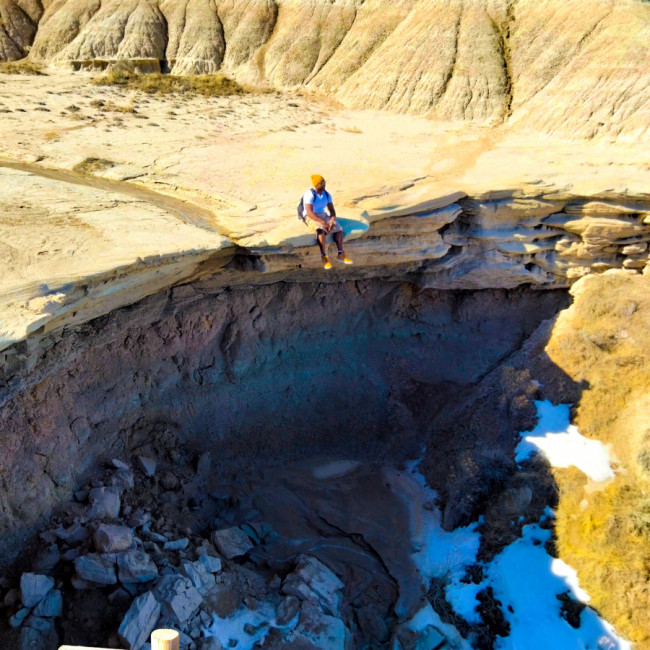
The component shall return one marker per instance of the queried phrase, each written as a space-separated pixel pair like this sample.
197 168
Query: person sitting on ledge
315 201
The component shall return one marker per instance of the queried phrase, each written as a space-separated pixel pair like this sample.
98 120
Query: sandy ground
237 167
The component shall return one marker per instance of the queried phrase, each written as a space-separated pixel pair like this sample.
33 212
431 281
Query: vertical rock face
123 29
237 370
453 59
18 24
196 42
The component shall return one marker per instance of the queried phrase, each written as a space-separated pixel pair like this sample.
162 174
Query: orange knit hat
316 179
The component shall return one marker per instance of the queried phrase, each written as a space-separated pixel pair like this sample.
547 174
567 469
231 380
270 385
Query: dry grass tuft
216 85
92 165
22 67
51 136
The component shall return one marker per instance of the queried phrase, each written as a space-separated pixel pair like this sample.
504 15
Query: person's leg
321 235
338 238
341 257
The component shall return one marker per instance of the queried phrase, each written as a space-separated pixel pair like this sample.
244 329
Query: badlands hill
572 67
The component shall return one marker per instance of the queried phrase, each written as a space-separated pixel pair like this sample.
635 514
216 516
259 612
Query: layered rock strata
469 60
545 239
316 365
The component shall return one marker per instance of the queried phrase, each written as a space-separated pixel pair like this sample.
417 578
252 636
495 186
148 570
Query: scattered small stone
71 554
231 542
139 518
152 547
123 479
157 537
429 638
51 605
118 464
287 610
139 621
19 617
251 603
112 539
71 535
176 545
148 465
33 588
105 502
211 563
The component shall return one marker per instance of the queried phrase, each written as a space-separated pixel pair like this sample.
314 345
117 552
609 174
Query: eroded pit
293 409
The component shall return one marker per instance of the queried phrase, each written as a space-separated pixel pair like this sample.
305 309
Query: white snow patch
232 628
562 444
523 576
335 469
426 617
527 580
440 553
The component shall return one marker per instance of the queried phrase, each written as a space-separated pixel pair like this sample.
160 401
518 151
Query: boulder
123 479
51 606
139 621
32 638
104 502
314 582
112 539
148 465
179 598
33 588
211 563
287 610
199 576
135 566
231 542
428 638
98 569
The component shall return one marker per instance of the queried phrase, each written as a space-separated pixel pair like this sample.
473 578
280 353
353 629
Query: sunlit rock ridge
481 60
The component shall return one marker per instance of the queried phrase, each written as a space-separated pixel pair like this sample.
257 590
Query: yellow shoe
326 262
343 259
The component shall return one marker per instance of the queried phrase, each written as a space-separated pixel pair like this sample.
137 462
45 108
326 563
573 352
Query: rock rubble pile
144 548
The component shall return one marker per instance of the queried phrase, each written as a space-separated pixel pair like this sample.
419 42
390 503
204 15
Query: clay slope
485 61
18 23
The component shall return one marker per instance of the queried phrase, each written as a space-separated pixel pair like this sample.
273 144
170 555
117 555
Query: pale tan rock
18 25
196 41
635 249
486 62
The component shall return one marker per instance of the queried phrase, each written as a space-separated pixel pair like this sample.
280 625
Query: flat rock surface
163 184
